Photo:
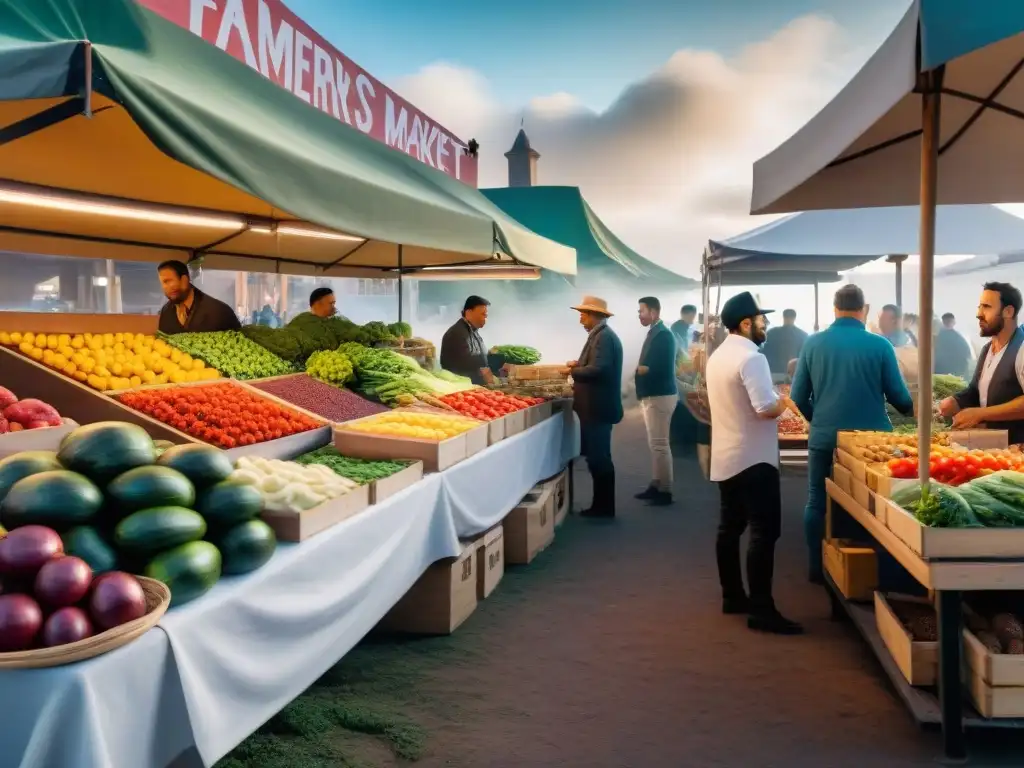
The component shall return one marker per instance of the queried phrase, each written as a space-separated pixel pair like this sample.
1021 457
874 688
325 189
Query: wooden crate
74 323
995 701
853 568
940 543
535 372
515 423
76 401
918 661
45 439
490 565
443 598
856 467
436 456
530 527
981 439
997 670
299 526
495 430
841 476
535 414
386 487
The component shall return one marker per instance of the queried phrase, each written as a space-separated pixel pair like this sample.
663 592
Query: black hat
739 308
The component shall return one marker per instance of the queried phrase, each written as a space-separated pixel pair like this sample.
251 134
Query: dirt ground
610 651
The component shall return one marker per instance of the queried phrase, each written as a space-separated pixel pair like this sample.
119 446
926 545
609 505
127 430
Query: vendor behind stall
189 310
462 349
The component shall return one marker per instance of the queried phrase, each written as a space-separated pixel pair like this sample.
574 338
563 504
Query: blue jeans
819 468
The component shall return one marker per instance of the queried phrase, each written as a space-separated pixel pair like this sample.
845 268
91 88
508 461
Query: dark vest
1004 386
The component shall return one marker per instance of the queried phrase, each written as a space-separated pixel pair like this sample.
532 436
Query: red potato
25 412
7 398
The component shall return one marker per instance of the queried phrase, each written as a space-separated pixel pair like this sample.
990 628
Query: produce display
421 350
917 618
955 466
792 424
110 361
288 486
331 366
517 355
880 447
548 389
361 471
999 630
992 501
225 415
230 352
327 401
17 415
50 598
386 375
486 404
412 424
943 386
117 504
307 334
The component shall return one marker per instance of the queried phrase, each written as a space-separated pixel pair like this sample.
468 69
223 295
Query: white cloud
668 164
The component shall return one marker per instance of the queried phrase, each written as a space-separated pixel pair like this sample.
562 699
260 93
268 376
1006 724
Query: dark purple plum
116 599
20 621
68 625
63 581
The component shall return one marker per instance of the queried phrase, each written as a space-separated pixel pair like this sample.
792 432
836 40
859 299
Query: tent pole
816 326
399 283
930 121
897 259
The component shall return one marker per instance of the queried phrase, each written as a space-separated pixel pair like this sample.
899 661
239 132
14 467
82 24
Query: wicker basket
158 597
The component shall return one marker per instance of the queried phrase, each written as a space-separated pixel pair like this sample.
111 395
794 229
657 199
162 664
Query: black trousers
753 499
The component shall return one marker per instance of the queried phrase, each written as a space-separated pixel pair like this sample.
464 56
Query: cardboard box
515 423
495 431
45 439
435 455
853 568
917 660
443 598
559 487
535 414
299 526
490 561
387 487
530 527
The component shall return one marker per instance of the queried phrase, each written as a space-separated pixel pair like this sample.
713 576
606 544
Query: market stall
935 97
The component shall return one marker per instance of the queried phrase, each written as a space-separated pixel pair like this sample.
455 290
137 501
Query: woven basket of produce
420 350
157 599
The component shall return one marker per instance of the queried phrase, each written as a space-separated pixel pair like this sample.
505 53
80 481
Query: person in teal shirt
843 379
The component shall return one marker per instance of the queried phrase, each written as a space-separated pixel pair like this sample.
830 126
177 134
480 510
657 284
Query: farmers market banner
282 47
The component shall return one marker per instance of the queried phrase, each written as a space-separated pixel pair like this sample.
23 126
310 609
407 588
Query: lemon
81 376
78 342
70 369
16 338
5 338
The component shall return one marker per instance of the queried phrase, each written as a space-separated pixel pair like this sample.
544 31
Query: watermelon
204 465
148 487
190 570
58 499
106 449
247 546
228 503
20 465
150 531
88 543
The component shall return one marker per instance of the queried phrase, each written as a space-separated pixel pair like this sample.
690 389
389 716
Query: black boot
651 492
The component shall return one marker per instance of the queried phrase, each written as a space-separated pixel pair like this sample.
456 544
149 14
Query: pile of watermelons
122 502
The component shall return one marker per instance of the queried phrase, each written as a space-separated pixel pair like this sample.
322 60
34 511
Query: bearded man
995 396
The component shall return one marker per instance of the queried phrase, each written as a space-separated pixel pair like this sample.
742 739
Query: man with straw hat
597 393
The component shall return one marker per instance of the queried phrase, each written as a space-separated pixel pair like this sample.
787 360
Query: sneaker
660 499
602 513
736 606
774 623
648 494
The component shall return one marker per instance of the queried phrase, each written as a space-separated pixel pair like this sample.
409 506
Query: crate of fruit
438 440
385 477
317 398
29 425
230 416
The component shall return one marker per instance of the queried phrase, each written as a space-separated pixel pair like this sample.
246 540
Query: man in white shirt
995 396
745 464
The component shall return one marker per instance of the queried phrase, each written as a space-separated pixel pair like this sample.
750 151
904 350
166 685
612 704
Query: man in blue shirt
784 344
843 379
682 328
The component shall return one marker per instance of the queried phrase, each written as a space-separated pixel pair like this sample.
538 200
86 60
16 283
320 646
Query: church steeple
522 162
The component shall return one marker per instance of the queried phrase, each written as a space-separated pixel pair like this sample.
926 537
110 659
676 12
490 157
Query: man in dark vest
995 396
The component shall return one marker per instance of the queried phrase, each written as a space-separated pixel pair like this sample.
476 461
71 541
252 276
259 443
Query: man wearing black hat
745 464
462 348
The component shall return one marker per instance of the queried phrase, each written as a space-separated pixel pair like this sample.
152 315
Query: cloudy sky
656 109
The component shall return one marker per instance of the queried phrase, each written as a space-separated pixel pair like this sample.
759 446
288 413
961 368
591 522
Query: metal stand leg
950 622
838 613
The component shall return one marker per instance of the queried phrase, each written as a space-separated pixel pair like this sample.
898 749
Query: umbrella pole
930 103
816 327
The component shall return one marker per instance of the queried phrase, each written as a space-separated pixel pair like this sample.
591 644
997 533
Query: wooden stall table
948 579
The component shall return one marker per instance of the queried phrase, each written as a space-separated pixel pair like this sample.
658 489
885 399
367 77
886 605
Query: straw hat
593 304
